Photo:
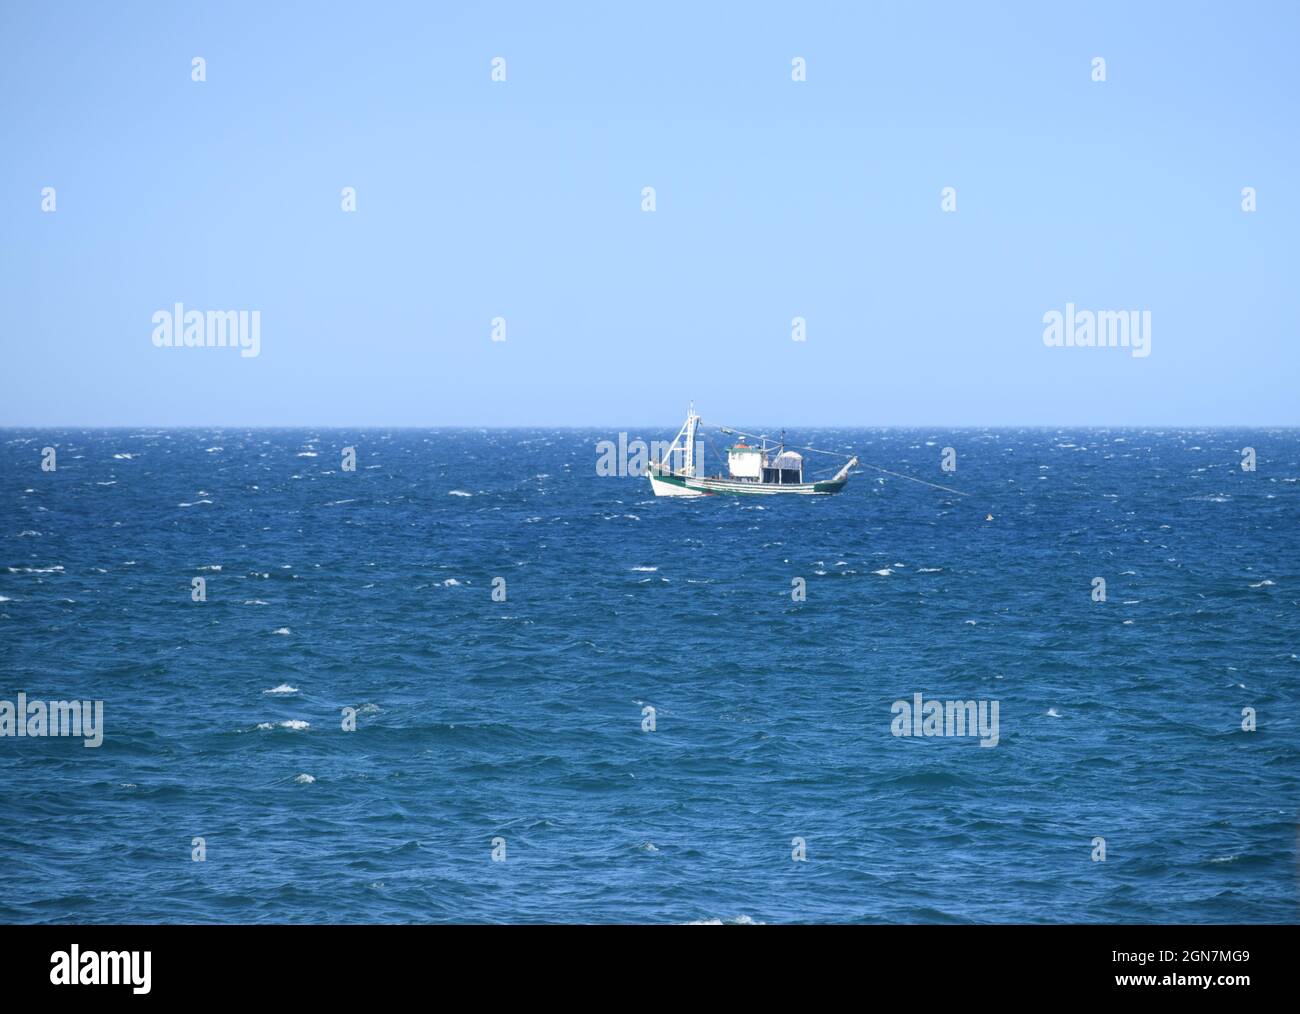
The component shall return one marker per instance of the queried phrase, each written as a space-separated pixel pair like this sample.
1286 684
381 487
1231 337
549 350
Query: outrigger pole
853 460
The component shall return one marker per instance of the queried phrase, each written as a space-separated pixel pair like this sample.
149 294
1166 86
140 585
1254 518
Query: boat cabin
785 468
747 462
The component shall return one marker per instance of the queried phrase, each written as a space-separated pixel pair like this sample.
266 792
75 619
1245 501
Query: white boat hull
662 488
681 485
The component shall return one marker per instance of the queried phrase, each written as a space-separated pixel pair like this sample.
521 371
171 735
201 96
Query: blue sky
774 199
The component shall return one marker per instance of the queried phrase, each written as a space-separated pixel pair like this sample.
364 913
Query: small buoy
988 517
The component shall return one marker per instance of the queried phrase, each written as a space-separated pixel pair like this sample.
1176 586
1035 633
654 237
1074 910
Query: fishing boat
753 469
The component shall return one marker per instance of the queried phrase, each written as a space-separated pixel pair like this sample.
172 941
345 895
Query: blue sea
504 766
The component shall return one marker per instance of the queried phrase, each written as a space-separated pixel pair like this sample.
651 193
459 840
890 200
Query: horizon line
643 425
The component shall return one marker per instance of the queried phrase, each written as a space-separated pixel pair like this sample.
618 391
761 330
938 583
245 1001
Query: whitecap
645 570
459 492
1266 583
1053 713
305 779
282 631
283 688
884 572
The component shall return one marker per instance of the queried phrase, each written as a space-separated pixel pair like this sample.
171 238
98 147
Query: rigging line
910 478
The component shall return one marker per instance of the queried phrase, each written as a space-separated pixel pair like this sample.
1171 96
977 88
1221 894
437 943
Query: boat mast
692 423
683 443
